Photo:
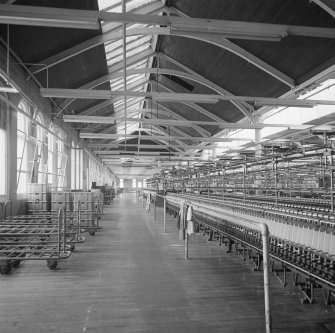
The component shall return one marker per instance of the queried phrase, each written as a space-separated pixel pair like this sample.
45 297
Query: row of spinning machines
55 222
301 235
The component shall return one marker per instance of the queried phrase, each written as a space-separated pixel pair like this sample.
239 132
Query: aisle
132 277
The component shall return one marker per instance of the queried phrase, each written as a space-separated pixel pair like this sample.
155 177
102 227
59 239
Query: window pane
22 149
73 169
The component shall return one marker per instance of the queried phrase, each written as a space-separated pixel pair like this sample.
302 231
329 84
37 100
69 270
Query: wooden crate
59 199
39 197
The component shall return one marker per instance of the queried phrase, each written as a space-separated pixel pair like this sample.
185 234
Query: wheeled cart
33 240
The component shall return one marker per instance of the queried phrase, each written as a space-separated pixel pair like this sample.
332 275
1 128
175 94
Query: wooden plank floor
132 277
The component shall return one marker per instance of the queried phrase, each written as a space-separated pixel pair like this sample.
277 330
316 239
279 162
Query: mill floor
133 277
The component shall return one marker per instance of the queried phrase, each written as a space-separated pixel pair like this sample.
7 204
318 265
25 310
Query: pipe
164 214
60 213
124 42
186 246
11 208
64 229
155 207
265 244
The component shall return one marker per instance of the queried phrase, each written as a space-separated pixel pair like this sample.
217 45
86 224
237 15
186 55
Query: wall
29 91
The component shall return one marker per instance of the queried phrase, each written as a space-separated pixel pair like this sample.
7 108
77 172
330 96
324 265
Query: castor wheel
52 264
92 232
5 267
72 247
15 263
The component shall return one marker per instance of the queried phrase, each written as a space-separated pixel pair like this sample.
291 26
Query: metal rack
88 205
307 174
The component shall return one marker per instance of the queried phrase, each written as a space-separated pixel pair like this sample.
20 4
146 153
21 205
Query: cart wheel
5 267
15 263
92 232
52 264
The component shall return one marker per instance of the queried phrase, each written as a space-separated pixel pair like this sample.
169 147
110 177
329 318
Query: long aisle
132 277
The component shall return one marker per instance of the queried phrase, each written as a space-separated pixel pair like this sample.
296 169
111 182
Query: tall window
79 168
37 152
73 167
42 142
76 168
134 183
121 183
61 162
22 149
3 148
3 159
51 144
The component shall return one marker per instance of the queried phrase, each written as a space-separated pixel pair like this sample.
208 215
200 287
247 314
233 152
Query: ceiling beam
116 35
153 158
145 146
242 106
179 122
165 112
112 159
34 15
327 5
154 129
193 77
118 143
111 31
193 106
158 137
311 83
228 45
132 60
96 107
132 86
197 128
168 133
234 29
147 153
47 17
149 8
175 97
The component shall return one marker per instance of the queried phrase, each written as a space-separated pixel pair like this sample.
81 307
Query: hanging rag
182 220
190 224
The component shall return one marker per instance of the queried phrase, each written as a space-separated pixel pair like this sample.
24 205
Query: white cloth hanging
190 224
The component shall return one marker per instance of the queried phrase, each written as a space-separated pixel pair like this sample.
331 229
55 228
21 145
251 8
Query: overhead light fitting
8 89
231 35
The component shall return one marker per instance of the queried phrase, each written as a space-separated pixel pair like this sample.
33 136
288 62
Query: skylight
135 46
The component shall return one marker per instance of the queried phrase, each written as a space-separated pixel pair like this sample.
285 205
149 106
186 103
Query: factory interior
166 166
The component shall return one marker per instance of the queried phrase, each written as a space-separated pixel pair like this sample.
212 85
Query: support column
258 154
258 146
330 165
275 170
